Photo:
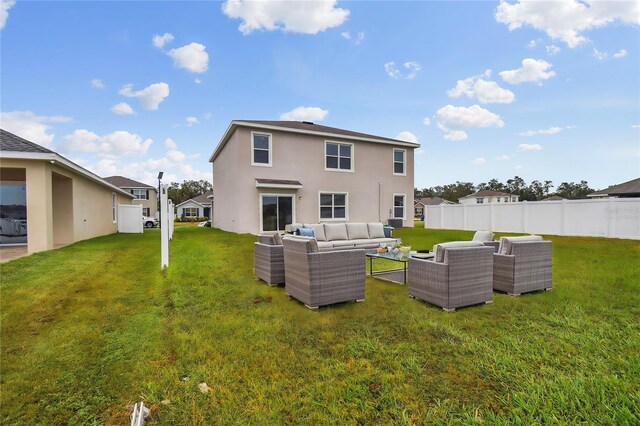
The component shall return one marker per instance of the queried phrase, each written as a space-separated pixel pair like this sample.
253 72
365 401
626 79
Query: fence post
464 217
609 214
563 217
164 228
441 216
525 216
492 220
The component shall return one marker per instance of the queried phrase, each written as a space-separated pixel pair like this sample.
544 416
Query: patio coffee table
398 275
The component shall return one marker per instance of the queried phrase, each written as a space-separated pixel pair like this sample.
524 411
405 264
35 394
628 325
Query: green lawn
90 329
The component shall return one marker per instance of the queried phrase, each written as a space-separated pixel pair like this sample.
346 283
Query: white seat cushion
318 229
506 243
376 230
335 231
325 245
342 244
357 231
483 236
440 248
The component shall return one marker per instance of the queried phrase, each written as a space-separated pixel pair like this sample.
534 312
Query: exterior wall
610 217
188 204
151 203
91 205
488 200
370 186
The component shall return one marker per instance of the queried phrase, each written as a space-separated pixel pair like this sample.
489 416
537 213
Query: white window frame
480 200
353 157
144 193
146 208
271 194
184 211
114 207
404 206
334 219
270 163
404 162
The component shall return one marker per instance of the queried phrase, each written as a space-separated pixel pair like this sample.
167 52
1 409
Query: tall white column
164 227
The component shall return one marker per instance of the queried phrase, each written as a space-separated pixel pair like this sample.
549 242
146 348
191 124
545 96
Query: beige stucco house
143 194
486 196
267 174
48 201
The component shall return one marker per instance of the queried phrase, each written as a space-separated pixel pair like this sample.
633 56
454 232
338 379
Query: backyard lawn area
92 328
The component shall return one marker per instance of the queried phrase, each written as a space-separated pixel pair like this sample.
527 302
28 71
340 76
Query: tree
180 192
573 190
540 190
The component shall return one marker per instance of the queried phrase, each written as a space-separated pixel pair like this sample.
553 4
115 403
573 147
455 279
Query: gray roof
14 143
434 201
279 181
553 198
203 198
123 182
631 187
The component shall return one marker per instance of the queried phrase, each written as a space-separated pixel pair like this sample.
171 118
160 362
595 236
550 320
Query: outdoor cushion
342 244
376 230
440 248
386 241
306 232
277 239
357 231
483 236
365 243
325 245
506 243
335 231
318 229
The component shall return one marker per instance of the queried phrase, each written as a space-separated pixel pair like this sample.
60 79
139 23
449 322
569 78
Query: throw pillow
307 232
335 231
357 231
376 230
277 239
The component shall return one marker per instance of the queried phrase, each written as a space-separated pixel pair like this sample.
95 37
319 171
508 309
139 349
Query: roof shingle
123 182
14 143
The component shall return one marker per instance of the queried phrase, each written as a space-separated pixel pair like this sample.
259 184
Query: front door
277 211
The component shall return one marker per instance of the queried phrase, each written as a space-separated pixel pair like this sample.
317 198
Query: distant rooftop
203 198
434 201
123 182
14 143
630 188
488 193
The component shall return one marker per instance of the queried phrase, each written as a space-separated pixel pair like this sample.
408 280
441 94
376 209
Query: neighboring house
48 201
421 203
486 196
199 206
273 173
553 198
144 194
623 190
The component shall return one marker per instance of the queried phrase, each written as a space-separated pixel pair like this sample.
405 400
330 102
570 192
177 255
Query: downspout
379 202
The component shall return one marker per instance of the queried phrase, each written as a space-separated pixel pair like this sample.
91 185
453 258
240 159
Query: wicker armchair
269 260
322 278
463 278
522 266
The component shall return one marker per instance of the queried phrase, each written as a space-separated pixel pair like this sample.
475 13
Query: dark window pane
269 213
398 168
339 199
398 201
339 213
261 157
285 212
397 211
332 149
345 150
325 199
332 162
325 212
398 155
345 163
261 141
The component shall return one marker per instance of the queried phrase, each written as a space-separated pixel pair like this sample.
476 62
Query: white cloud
207 115
407 136
122 108
360 37
503 157
411 68
519 167
529 147
170 144
307 17
391 70
567 20
197 81
549 131
30 126
303 113
487 92
150 97
479 161
452 120
160 40
426 121
532 70
357 38
96 83
532 44
346 35
191 121
635 126
620 54
118 143
599 55
176 156
5 5
552 49
192 57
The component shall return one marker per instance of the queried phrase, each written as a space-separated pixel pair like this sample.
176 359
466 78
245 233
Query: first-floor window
479 200
398 206
333 205
146 211
190 212
114 206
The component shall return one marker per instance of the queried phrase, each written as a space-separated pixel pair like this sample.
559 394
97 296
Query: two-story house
487 196
267 174
143 194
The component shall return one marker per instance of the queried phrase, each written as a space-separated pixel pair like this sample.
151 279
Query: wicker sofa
346 236
461 274
318 279
522 264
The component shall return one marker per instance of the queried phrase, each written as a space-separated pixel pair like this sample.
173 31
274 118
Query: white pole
164 227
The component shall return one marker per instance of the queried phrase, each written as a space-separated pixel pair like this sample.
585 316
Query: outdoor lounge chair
461 274
522 264
322 278
269 259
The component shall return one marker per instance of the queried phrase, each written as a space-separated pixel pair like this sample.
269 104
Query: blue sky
538 90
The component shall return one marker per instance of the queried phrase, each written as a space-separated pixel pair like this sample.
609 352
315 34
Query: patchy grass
89 329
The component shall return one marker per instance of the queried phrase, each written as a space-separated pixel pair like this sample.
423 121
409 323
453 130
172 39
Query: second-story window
339 156
399 160
140 194
261 149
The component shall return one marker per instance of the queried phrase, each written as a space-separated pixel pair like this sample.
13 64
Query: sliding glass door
276 211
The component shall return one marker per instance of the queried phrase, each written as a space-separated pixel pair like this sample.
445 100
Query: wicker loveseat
318 279
346 236
460 274
522 264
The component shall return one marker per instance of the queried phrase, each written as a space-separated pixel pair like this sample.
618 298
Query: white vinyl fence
607 217
130 218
